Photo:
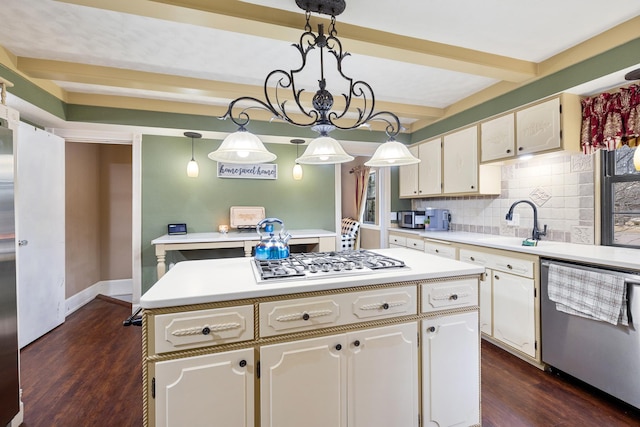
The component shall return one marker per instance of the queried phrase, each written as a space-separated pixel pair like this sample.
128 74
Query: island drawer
301 314
305 314
381 304
451 294
201 328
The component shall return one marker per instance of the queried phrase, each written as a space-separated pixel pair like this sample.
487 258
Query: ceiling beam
241 17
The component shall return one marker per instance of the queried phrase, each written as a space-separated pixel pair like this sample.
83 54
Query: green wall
169 196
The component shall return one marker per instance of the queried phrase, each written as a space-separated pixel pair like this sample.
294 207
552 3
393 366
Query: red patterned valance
610 120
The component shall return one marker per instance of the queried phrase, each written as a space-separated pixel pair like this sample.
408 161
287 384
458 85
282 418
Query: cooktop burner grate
321 264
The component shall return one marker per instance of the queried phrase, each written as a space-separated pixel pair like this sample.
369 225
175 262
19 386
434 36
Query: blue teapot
272 247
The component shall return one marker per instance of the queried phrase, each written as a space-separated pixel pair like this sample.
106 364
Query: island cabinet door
383 376
451 370
214 389
514 312
303 383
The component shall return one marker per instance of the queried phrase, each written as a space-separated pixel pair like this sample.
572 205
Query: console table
323 240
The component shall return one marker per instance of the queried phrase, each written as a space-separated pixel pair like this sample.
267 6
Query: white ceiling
201 44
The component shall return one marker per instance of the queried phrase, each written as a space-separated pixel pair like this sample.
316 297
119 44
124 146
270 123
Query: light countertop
213 280
608 256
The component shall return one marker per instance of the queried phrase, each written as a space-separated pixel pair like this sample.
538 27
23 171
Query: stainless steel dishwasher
598 353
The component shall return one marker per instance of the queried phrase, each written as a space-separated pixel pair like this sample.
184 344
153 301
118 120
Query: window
620 199
370 201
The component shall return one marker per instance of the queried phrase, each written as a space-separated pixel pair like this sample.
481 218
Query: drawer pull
338 347
431 329
356 343
242 363
472 258
383 306
509 266
303 316
205 330
450 297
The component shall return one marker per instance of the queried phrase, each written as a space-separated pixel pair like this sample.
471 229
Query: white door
224 390
461 161
430 175
408 176
514 311
40 232
303 383
383 376
451 371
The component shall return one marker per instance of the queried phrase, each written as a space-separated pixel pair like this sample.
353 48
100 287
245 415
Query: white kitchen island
221 349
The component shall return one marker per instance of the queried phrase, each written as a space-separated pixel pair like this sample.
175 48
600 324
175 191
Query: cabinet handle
472 187
305 316
520 148
242 363
453 297
472 258
338 347
496 277
206 330
508 151
385 306
437 251
431 329
356 343
509 266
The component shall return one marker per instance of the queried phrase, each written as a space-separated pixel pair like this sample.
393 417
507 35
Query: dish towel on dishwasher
590 294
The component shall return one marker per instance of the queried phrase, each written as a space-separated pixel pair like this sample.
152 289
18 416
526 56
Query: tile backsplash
561 187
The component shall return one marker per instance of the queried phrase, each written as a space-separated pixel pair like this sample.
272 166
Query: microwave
411 219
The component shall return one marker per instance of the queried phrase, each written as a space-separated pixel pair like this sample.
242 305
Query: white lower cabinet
486 303
214 389
305 382
514 311
450 370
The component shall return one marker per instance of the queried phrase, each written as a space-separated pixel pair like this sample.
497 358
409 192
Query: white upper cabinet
538 127
424 178
460 163
497 138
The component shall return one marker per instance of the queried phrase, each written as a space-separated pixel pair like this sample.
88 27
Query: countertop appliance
411 219
316 265
598 353
436 219
9 385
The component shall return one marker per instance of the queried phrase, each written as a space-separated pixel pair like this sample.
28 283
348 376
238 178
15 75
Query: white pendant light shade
324 150
392 153
192 169
636 158
297 172
242 147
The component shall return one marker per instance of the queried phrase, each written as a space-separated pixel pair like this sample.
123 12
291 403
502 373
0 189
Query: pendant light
286 100
297 168
392 153
192 167
242 147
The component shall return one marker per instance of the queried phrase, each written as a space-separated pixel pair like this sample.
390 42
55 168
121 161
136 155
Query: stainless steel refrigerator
9 383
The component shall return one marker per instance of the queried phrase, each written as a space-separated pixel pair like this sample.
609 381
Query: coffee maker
436 219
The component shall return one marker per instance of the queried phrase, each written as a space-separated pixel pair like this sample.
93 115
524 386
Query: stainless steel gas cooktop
323 264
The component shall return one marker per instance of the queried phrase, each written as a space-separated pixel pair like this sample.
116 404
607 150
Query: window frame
608 181
374 197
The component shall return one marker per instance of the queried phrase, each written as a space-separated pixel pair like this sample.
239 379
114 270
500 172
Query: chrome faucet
536 233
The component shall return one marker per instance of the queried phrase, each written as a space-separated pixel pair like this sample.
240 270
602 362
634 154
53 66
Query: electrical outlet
515 220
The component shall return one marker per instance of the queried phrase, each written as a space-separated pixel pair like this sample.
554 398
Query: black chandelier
285 100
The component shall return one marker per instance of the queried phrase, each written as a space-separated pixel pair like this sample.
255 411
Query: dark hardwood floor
87 373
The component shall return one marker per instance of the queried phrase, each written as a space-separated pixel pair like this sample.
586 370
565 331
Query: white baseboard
105 287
